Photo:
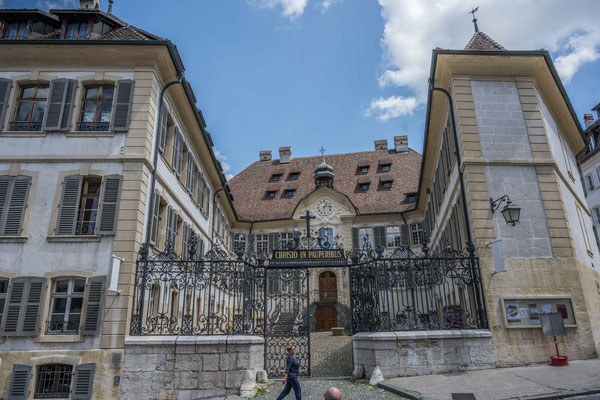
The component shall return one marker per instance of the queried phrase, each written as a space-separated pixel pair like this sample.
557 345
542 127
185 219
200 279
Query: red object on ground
559 361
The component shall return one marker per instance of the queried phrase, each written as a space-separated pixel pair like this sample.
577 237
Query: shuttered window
96 108
14 191
31 108
185 239
416 232
54 381
201 190
171 227
5 85
60 105
162 126
177 159
365 237
121 109
3 291
93 305
19 382
22 310
83 383
154 217
66 306
394 236
191 165
109 206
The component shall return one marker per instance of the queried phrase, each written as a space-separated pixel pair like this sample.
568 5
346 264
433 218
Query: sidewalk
534 382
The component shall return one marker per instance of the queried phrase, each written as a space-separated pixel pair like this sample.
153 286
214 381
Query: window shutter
15 201
4 185
69 203
93 305
179 153
19 382
109 205
273 239
379 233
404 234
14 304
56 105
83 382
208 196
31 309
200 190
184 242
355 238
175 147
169 237
174 226
121 109
154 209
5 85
189 182
65 123
162 127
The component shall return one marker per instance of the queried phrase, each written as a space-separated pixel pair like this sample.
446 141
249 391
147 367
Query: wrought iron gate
287 320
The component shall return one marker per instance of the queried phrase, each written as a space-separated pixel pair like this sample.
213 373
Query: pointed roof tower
481 41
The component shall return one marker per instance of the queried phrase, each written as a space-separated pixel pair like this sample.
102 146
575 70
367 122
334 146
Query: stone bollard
376 377
359 372
248 388
261 376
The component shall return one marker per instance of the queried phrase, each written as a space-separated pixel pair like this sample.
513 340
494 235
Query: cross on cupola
308 217
323 172
473 11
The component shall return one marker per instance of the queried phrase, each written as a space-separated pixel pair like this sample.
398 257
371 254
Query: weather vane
473 11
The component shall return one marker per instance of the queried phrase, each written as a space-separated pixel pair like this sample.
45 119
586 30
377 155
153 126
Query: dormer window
411 198
363 169
363 187
276 177
271 194
386 185
385 167
294 175
290 192
77 31
17 30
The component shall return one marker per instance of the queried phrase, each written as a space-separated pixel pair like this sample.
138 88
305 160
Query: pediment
327 206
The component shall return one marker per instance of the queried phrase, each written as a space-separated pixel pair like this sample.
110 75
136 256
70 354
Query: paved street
331 356
313 389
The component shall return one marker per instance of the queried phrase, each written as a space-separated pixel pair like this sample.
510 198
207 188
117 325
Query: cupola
323 173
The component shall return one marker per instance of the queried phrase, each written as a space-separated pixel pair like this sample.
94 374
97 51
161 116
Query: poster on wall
512 312
534 314
546 308
562 308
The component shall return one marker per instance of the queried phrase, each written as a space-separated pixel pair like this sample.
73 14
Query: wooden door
326 318
327 286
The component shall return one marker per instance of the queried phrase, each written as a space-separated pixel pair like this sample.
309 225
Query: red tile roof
126 33
249 187
481 41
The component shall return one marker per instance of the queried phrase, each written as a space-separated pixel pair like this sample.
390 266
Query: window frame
416 228
289 192
294 176
40 382
589 182
81 206
69 295
386 185
239 239
361 237
27 25
397 236
367 184
79 24
387 167
276 177
262 241
96 125
271 194
29 124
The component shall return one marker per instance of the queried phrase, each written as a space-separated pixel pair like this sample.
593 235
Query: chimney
588 120
401 144
381 144
285 154
110 4
89 4
264 155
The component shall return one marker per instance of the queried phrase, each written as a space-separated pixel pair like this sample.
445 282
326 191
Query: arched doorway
327 286
326 318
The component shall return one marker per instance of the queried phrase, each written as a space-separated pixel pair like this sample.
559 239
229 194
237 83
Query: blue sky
342 73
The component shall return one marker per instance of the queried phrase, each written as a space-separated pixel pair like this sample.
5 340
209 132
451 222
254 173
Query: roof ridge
481 41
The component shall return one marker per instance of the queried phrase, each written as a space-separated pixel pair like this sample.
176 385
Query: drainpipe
212 225
155 158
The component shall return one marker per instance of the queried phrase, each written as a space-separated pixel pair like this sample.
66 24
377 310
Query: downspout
155 158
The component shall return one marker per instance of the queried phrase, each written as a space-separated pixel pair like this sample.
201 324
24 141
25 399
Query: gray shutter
379 233
184 242
179 153
69 204
200 189
19 382
175 147
404 234
162 126
109 205
56 105
355 238
272 241
32 305
16 201
174 226
83 381
4 186
68 105
154 209
14 304
169 238
5 85
93 305
121 109
208 200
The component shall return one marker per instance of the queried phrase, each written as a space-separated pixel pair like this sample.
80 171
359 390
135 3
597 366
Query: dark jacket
292 367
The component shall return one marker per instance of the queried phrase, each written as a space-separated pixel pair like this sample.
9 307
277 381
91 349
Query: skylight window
276 177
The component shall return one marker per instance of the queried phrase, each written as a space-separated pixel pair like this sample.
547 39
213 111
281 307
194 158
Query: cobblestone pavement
313 389
331 356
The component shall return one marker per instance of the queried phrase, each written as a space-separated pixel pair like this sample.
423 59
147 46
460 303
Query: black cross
308 217
473 11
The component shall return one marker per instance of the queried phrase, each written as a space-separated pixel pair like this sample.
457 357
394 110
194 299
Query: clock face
324 207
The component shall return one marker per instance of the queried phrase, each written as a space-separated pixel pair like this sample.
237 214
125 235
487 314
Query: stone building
589 165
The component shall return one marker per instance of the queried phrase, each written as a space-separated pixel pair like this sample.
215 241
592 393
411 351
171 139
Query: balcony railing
85 228
93 126
26 126
62 328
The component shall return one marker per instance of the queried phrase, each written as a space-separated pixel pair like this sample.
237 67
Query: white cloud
325 4
57 4
224 164
414 27
392 107
292 9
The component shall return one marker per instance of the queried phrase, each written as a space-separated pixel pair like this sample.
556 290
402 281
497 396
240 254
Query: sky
343 73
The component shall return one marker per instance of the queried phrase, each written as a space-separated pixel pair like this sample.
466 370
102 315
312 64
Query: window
385 167
14 191
276 177
287 239
394 237
363 187
290 192
365 236
598 173
416 232
262 243
96 108
363 169
54 381
271 194
294 175
66 306
590 182
3 290
327 234
30 109
386 185
16 30
591 142
411 198
88 206
77 31
239 242
597 215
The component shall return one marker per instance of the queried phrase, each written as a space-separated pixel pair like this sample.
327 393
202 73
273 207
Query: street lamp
510 212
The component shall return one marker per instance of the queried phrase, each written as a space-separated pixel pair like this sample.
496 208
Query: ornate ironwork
93 126
62 328
25 126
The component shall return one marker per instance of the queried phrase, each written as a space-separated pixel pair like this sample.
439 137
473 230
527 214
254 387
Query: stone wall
190 367
422 352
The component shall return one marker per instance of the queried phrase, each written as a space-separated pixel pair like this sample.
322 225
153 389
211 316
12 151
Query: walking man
333 393
290 379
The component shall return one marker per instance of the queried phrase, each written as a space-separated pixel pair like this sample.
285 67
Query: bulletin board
524 312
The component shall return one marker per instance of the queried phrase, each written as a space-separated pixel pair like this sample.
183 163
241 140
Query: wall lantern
510 212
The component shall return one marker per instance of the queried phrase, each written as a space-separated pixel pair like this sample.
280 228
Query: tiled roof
249 187
126 33
481 41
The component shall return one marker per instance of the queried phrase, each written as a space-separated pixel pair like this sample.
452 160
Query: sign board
296 258
552 324
525 312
